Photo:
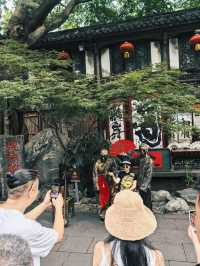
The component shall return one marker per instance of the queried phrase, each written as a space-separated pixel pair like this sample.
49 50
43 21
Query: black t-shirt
123 175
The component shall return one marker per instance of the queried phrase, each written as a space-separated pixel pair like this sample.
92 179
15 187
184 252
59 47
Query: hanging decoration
63 55
195 41
127 49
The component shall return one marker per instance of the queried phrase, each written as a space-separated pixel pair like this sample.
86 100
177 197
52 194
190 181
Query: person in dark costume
125 178
145 175
101 179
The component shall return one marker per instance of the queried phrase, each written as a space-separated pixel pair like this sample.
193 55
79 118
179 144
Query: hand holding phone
54 191
58 202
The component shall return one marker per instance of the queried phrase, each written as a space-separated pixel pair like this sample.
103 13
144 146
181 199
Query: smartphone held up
54 191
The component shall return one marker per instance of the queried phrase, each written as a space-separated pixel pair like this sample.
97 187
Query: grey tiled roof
139 24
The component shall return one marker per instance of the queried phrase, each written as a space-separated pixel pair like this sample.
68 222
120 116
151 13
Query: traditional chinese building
97 51
157 38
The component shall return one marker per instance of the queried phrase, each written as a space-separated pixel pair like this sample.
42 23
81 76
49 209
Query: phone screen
54 191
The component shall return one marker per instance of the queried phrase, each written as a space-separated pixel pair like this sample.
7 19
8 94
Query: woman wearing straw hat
128 222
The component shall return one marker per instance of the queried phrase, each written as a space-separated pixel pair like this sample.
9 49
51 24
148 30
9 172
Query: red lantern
195 41
63 55
127 48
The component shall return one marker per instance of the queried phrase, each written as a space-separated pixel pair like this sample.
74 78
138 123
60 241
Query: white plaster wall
89 62
105 62
196 120
155 53
173 53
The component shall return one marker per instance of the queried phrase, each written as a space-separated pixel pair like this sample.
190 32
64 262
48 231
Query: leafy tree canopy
104 11
31 19
37 80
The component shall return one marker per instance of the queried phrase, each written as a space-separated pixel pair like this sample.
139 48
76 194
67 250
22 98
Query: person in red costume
103 166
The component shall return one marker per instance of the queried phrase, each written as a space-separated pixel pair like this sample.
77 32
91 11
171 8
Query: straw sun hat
128 218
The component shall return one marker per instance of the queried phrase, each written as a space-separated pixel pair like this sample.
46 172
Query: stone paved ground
85 230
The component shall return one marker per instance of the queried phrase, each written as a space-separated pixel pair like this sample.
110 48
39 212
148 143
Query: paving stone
166 223
76 244
180 263
78 259
172 235
182 216
85 230
80 226
54 258
171 251
157 237
189 251
181 225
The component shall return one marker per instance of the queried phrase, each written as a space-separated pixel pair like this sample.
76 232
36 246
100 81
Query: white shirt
40 239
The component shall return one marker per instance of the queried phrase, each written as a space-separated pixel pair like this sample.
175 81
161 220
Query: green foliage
29 78
100 11
160 93
37 80
104 11
189 179
187 4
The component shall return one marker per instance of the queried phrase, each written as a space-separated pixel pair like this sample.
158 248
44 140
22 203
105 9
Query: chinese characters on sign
12 157
145 132
11 153
116 123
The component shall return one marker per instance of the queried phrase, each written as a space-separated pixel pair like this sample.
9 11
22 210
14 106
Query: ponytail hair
132 253
17 183
19 178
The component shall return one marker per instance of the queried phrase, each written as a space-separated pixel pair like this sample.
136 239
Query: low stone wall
163 202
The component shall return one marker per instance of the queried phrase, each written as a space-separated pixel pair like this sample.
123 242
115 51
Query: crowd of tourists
128 221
